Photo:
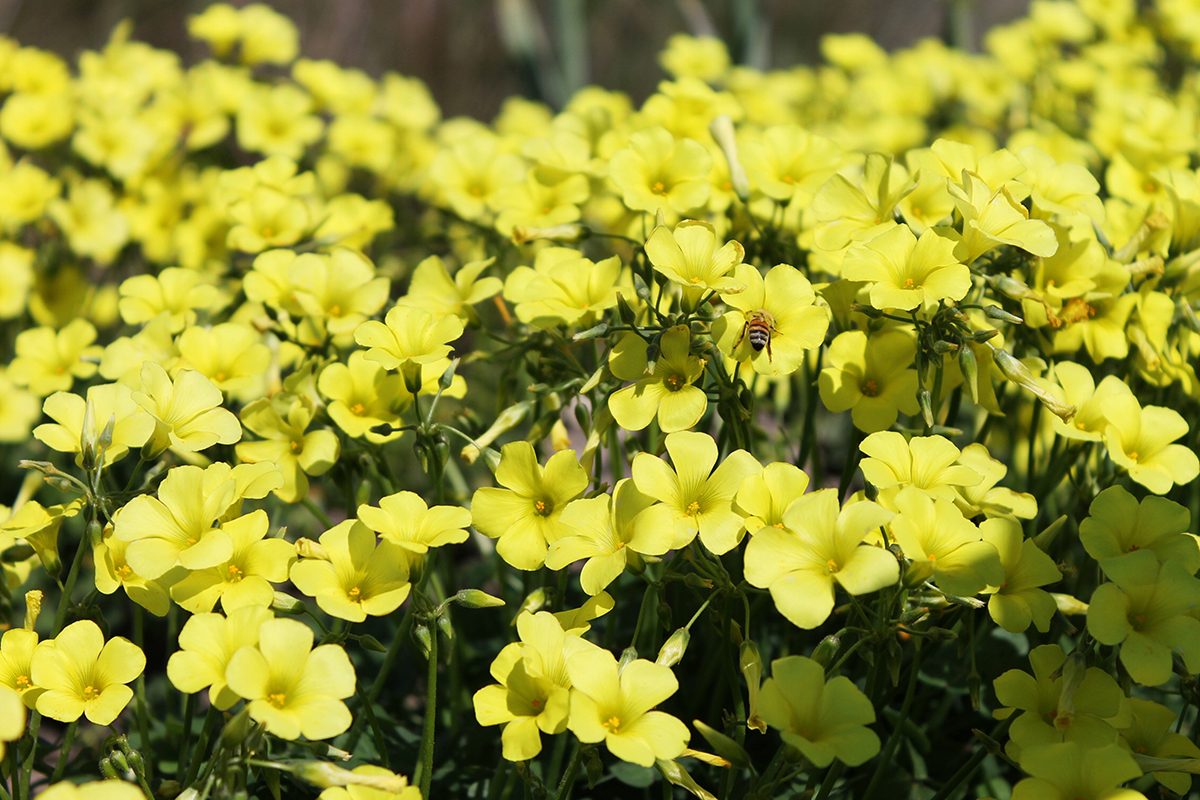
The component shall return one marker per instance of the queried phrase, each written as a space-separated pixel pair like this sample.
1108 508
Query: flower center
658 188
358 409
543 507
124 571
693 509
23 682
1137 621
674 382
1134 455
297 446
336 311
536 703
832 565
870 389
909 283
277 699
90 693
613 724
234 574
355 595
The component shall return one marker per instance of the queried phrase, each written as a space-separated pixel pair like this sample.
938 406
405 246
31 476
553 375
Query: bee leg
770 356
745 329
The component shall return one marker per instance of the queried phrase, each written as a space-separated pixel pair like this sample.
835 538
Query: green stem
60 766
139 687
189 709
321 516
568 779
376 731
889 749
831 777
964 772
425 766
64 603
26 772
210 721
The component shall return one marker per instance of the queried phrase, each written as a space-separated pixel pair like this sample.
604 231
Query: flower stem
568 779
60 766
321 516
889 749
26 771
425 766
139 685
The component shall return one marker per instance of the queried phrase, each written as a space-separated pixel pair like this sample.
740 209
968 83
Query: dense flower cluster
248 302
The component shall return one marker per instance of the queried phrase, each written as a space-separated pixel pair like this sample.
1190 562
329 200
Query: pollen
355 595
870 389
909 283
277 699
543 507
832 565
613 724
358 409
693 508
90 692
659 188
234 574
124 571
23 682
297 446
675 382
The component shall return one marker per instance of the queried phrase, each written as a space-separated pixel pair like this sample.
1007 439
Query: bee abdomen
759 336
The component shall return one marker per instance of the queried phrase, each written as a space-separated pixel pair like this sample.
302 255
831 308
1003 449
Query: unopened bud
942 347
33 607
625 311
283 603
560 437
323 774
372 644
443 623
567 234
969 366
424 638
925 400
721 129
474 598
827 649
998 313
534 602
1019 374
729 750
307 548
594 332
1069 605
628 656
673 649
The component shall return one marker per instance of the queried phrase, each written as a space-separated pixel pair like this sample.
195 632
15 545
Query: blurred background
474 53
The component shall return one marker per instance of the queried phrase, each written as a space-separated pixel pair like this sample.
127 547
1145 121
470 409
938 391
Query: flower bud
625 311
370 643
969 366
1019 374
307 548
474 598
925 399
284 603
566 234
1069 605
33 607
998 313
628 656
674 648
728 749
750 664
721 129
533 603
827 649
594 332
560 438
423 638
443 623
323 775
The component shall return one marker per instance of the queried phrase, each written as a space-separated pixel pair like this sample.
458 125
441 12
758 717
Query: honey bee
759 327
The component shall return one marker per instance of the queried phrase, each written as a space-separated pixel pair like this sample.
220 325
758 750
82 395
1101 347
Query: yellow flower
907 272
276 121
206 644
404 520
614 707
564 288
357 576
292 688
245 578
689 256
84 675
110 401
526 516
113 572
16 670
695 498
669 394
871 377
177 292
187 411
784 304
286 444
657 171
49 362
12 717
